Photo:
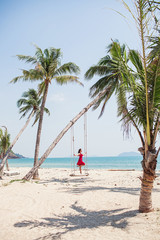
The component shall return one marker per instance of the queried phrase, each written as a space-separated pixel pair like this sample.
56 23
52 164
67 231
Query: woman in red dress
80 163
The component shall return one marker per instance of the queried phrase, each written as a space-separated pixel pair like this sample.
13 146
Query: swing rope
85 143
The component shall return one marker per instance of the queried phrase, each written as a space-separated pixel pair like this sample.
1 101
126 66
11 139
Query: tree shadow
132 191
79 189
68 180
126 190
82 219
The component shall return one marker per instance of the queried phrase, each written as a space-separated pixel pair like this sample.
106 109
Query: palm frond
27 59
155 47
67 79
25 111
135 59
103 83
20 102
37 115
67 68
108 94
31 93
46 53
32 75
41 88
39 53
36 118
1 133
97 70
129 10
154 83
16 79
46 110
105 60
55 54
122 110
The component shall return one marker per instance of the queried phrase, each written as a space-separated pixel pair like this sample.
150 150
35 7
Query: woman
80 163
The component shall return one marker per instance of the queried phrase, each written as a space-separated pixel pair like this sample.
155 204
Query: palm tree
147 22
4 144
128 84
29 103
47 68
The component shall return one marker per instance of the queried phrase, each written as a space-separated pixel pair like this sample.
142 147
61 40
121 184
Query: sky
82 29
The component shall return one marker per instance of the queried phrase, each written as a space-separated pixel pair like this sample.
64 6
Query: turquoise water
93 162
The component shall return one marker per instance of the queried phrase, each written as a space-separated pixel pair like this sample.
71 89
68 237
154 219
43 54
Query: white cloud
59 97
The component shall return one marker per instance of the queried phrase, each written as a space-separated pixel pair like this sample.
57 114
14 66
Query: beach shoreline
103 205
91 163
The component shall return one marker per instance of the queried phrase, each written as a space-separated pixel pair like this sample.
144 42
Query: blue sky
82 29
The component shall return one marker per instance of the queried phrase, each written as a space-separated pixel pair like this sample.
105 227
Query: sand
101 206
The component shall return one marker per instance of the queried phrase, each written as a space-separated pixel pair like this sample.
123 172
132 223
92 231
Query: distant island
19 155
14 155
129 154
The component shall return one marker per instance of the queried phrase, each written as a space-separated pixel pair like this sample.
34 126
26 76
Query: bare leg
80 169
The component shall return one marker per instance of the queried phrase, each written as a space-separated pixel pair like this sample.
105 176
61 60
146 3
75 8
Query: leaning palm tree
128 84
29 103
47 68
4 144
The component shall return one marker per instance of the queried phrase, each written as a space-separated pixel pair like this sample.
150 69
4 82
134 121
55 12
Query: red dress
80 162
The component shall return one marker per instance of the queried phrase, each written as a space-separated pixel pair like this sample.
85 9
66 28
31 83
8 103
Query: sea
130 162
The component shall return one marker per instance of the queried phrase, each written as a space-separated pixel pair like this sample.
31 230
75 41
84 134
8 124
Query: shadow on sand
81 220
78 188
75 189
67 180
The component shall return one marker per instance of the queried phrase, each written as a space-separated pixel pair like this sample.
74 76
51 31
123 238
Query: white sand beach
103 205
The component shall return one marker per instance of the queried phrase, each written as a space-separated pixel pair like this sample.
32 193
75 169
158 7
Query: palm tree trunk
13 143
29 175
149 165
36 174
7 165
2 156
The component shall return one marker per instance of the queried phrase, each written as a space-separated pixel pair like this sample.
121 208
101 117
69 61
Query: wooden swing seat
79 175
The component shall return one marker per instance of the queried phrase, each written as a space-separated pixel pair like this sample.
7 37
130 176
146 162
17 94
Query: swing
73 161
